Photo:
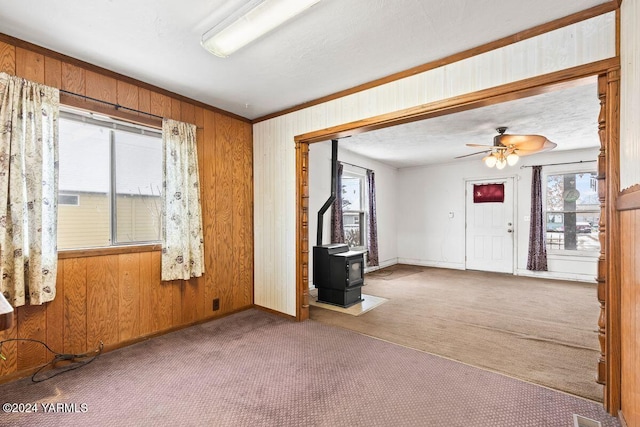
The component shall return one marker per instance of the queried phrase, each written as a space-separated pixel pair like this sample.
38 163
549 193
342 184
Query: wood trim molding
609 262
274 312
302 230
113 250
496 44
623 421
614 257
105 72
528 87
629 199
601 278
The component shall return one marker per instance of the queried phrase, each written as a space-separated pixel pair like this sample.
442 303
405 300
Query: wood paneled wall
117 297
630 317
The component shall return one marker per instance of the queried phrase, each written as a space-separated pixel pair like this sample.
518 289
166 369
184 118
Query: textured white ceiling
568 117
335 45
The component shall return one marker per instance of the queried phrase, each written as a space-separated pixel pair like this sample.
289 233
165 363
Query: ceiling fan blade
478 145
472 154
523 153
524 142
546 146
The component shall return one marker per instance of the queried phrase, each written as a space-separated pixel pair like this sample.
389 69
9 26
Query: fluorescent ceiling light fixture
250 22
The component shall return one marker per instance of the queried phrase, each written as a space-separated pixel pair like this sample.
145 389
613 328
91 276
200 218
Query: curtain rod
117 106
351 164
557 164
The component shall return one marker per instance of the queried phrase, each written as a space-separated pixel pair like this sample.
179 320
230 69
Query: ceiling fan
507 149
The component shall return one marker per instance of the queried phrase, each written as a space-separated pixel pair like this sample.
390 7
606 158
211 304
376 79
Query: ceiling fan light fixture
507 149
490 160
512 159
251 22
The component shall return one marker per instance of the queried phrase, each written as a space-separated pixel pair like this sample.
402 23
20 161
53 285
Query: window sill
573 256
111 250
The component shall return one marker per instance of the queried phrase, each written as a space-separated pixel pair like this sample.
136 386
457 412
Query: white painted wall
274 148
320 190
630 94
426 195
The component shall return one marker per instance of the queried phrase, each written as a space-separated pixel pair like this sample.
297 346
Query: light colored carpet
258 369
543 331
369 302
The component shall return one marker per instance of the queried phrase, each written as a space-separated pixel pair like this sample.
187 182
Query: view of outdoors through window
353 210
572 212
96 158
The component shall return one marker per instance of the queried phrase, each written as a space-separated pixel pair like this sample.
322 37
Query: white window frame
363 212
112 124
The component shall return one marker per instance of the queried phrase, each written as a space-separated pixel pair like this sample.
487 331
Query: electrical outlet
216 304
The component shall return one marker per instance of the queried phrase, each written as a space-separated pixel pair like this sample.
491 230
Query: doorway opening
607 333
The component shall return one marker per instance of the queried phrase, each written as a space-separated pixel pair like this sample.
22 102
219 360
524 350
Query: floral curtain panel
537 260
372 241
337 222
183 245
28 190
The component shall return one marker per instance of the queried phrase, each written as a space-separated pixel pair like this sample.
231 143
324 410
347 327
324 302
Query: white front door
490 230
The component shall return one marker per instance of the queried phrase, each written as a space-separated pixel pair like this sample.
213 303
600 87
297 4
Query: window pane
555 188
572 212
352 229
351 196
138 187
84 171
68 199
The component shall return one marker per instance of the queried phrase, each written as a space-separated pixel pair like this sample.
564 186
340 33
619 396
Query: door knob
509 231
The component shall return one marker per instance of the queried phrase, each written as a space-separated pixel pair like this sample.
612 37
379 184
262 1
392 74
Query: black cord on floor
78 360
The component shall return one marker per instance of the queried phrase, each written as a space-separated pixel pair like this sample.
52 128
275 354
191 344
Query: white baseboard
589 278
427 263
383 264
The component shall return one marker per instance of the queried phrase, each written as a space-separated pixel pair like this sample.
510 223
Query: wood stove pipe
334 180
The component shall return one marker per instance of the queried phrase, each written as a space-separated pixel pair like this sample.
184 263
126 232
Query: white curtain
183 245
28 190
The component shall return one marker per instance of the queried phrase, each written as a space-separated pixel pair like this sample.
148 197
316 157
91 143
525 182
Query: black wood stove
338 273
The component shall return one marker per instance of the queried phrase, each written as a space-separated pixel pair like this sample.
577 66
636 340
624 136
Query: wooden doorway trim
609 262
607 71
302 230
